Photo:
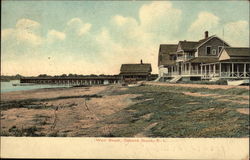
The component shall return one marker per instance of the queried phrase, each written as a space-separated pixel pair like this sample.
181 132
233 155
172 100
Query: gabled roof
193 45
135 68
188 45
238 51
202 41
234 54
167 48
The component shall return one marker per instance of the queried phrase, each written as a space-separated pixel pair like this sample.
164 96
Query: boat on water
238 82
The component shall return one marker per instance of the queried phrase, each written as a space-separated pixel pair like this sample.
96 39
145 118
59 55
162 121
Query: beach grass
170 113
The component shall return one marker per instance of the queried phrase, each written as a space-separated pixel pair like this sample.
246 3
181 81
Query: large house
210 58
140 71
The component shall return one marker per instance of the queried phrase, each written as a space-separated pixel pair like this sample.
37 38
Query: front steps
175 79
158 79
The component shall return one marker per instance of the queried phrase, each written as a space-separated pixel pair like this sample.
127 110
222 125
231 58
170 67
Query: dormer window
214 52
208 50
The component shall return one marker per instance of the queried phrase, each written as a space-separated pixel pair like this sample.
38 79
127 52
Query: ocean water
8 86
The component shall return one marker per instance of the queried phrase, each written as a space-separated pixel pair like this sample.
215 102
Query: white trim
210 50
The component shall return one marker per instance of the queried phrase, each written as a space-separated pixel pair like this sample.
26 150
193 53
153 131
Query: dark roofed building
166 56
141 71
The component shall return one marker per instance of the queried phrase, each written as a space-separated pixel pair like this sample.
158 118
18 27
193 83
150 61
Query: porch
237 70
185 70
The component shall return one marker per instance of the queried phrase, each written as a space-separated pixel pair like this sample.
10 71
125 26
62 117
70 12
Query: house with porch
210 58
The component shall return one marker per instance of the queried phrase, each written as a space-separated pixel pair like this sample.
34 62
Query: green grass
177 115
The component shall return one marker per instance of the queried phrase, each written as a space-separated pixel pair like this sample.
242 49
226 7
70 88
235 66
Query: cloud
6 33
27 24
133 39
26 31
237 33
54 35
78 26
160 17
205 22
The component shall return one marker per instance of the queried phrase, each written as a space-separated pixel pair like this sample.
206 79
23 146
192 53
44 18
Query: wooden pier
72 80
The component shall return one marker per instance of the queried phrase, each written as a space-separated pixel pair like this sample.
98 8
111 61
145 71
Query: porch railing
235 74
210 74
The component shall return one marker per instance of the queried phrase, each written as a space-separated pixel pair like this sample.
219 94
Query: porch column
232 69
245 69
238 74
201 69
205 70
185 67
209 69
177 68
228 69
189 68
214 69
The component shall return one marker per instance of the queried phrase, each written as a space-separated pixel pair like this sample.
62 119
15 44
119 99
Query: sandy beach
100 110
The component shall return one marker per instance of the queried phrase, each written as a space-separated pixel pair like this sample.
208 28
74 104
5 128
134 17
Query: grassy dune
168 112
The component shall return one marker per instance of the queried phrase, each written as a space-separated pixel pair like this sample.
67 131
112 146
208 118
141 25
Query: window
208 50
219 49
214 52
172 57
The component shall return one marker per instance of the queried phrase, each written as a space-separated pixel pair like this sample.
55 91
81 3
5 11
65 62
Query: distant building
141 71
210 58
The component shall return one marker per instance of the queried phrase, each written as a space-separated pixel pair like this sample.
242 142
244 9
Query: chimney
141 61
206 34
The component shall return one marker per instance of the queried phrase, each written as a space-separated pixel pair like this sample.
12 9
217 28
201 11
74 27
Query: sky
96 37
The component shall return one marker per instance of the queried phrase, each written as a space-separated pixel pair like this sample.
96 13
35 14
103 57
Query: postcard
125 79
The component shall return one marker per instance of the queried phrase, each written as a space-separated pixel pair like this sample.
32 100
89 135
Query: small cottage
138 72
